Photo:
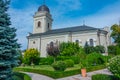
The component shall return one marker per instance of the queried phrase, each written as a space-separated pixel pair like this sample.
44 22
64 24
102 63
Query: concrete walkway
89 74
35 76
75 77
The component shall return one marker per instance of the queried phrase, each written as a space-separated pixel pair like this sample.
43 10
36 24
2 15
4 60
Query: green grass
49 71
49 67
41 67
77 66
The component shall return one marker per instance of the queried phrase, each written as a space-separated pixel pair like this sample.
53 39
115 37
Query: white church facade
43 34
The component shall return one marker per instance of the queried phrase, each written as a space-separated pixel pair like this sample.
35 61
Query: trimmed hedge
58 74
95 59
59 65
53 74
76 59
94 68
104 77
69 63
21 76
46 61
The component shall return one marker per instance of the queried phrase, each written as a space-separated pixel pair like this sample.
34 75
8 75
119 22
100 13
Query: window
33 42
91 42
48 25
39 24
51 44
77 41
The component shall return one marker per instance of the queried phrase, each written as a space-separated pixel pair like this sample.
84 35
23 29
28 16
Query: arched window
77 41
39 24
51 44
91 42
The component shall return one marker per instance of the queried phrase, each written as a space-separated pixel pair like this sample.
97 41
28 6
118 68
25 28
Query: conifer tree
8 43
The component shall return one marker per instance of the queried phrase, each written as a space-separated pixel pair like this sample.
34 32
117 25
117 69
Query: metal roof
43 8
63 30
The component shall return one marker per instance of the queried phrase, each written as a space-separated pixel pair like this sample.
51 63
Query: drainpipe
98 34
70 33
40 44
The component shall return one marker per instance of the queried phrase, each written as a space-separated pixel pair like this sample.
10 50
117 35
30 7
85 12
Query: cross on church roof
83 22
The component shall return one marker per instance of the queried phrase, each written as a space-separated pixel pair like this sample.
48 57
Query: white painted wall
64 37
53 38
34 43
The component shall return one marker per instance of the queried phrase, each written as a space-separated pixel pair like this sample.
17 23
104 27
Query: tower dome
43 8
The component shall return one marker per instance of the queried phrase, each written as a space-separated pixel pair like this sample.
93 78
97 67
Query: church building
43 34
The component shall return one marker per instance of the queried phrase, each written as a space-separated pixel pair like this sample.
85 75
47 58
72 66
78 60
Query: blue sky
66 13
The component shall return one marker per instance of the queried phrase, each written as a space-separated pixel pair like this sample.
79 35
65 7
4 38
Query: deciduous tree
116 33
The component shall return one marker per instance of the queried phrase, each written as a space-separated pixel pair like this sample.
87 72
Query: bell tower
42 20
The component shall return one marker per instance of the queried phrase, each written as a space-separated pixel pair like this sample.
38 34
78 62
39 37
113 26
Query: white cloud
69 4
107 16
65 6
23 19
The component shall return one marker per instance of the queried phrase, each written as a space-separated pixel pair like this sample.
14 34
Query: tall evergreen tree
8 44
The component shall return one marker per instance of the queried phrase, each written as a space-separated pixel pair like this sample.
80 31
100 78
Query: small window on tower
39 24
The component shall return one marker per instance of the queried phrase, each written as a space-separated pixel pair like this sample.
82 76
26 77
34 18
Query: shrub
112 49
62 58
69 63
95 59
104 77
117 50
76 59
46 61
31 56
100 49
90 49
59 65
53 49
21 76
69 49
114 65
106 58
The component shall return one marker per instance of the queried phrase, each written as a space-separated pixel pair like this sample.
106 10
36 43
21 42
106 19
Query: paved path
75 77
35 76
89 74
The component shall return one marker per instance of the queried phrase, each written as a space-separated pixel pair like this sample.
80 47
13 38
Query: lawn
49 67
41 67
